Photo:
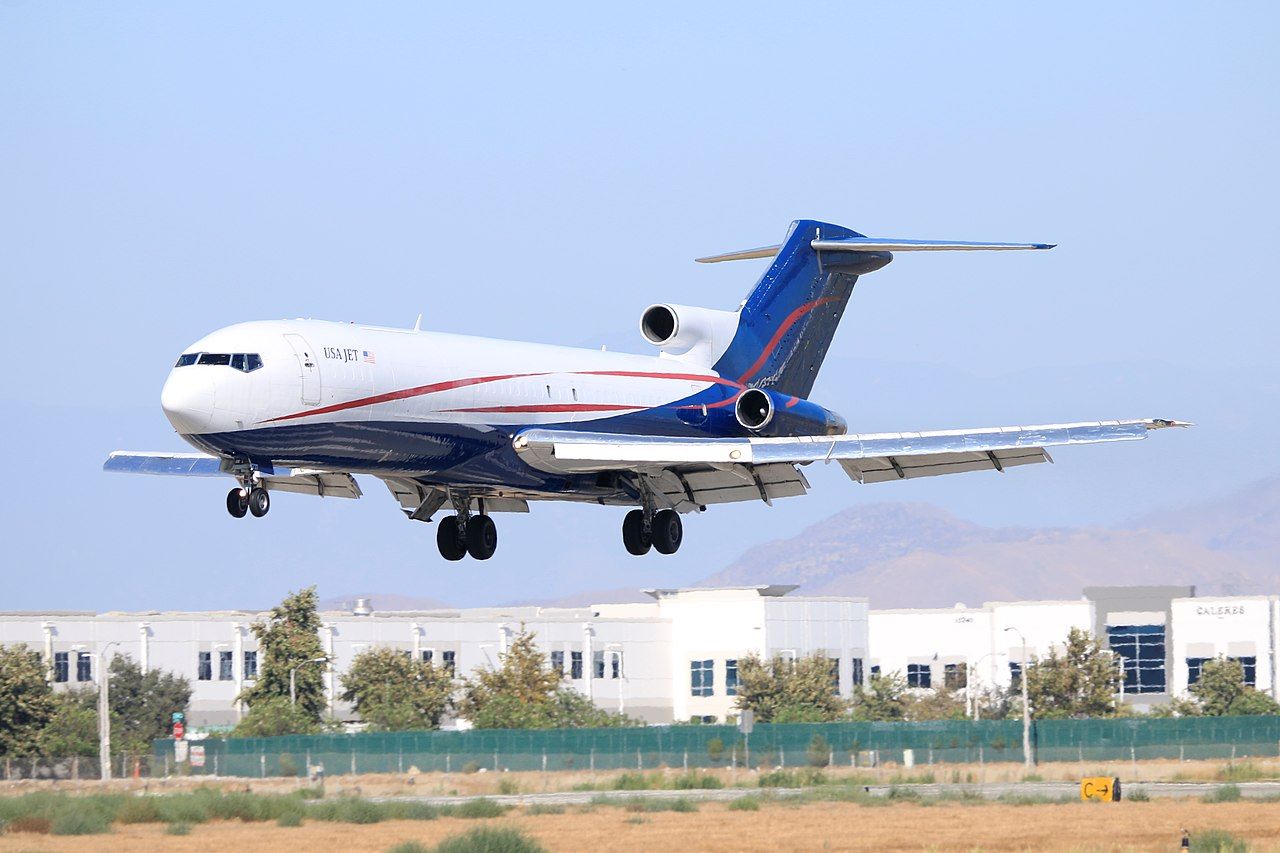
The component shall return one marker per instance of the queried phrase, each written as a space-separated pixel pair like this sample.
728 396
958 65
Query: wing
692 472
326 484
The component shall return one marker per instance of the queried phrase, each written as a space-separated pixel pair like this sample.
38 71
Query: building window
875 670
61 667
857 672
1250 667
428 655
575 665
615 665
919 675
597 664
449 660
1141 647
204 666
955 676
224 666
702 675
557 663
84 667
250 664
1015 675
1194 666
731 678
833 665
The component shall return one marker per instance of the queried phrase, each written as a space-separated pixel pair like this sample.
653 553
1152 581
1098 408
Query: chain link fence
778 745
77 767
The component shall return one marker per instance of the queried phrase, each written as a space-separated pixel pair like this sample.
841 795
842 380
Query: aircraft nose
187 400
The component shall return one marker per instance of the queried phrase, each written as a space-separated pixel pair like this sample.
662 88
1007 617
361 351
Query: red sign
178 731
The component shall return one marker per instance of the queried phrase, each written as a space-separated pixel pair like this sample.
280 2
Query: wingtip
1161 423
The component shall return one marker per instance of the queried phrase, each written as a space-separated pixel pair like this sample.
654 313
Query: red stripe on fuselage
402 394
787 323
551 407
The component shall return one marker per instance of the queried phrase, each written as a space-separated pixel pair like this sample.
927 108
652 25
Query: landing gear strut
646 528
462 534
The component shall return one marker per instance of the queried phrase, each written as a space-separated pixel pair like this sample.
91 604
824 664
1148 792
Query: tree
142 706
274 716
941 704
393 692
783 690
27 703
523 693
288 641
73 728
1221 691
882 698
1081 682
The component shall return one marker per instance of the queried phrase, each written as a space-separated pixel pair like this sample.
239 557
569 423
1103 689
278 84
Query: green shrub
692 781
1138 795
347 810
544 808
409 847
81 821
1217 841
410 811
745 804
636 782
471 767
1245 771
508 786
715 749
1223 794
646 804
35 824
178 829
792 778
182 808
289 819
139 810
480 808
819 752
489 839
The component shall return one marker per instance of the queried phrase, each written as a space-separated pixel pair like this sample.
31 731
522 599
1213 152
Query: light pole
293 684
1026 707
104 714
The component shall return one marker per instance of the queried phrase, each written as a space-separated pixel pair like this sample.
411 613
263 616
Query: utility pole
1026 707
104 714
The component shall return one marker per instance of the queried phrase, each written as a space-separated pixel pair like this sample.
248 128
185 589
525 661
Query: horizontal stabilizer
879 244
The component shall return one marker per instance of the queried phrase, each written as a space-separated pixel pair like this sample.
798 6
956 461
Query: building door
309 364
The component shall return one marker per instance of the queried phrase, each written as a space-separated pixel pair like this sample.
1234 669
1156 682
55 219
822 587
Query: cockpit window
245 362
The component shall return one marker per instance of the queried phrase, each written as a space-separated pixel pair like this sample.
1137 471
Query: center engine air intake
754 409
698 335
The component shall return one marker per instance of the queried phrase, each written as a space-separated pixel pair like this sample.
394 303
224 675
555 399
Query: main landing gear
464 533
242 501
643 529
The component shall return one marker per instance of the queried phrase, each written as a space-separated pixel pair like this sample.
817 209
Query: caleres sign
1220 610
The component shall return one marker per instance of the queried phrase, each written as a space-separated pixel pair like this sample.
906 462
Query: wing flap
882 469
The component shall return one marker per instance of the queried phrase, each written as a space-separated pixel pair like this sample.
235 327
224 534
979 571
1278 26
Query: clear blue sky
167 169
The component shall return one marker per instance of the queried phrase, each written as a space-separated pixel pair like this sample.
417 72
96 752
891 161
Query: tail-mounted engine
699 335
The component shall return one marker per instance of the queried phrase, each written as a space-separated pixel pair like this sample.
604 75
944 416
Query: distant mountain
912 555
384 601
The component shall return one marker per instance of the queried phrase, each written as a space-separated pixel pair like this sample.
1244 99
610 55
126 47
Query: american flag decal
368 357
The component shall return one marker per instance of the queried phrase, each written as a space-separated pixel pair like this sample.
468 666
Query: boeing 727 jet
474 426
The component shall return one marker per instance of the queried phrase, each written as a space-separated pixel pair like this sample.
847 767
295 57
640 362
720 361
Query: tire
237 503
482 537
448 539
668 531
259 502
633 534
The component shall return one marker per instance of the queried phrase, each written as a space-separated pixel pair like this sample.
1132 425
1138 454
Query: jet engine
754 409
699 335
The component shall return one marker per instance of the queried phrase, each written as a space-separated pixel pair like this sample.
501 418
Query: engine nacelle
695 334
754 409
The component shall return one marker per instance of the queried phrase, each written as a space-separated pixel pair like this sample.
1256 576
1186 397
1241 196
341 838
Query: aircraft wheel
259 502
449 540
668 531
237 503
482 537
633 534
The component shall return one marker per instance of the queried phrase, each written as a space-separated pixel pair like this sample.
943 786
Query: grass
1138 795
544 808
802 778
1244 771
1223 794
87 821
289 819
637 781
508 786
645 804
1217 841
490 839
745 804
178 829
696 781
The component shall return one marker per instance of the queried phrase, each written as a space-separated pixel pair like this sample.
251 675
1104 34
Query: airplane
478 426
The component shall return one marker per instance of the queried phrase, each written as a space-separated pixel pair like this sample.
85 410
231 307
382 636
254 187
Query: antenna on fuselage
417 324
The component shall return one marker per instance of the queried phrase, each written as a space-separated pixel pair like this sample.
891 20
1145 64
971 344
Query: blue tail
786 325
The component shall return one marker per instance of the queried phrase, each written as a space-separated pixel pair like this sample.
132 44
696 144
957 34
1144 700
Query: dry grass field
776 826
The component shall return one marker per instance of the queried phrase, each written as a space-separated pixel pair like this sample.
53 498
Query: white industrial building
675 658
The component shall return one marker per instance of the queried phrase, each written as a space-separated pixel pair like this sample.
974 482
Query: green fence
845 744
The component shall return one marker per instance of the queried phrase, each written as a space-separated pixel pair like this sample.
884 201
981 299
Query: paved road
1048 790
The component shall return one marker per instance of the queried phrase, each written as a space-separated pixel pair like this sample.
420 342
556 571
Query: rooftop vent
362 608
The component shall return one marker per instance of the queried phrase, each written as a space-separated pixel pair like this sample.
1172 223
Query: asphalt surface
992 791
